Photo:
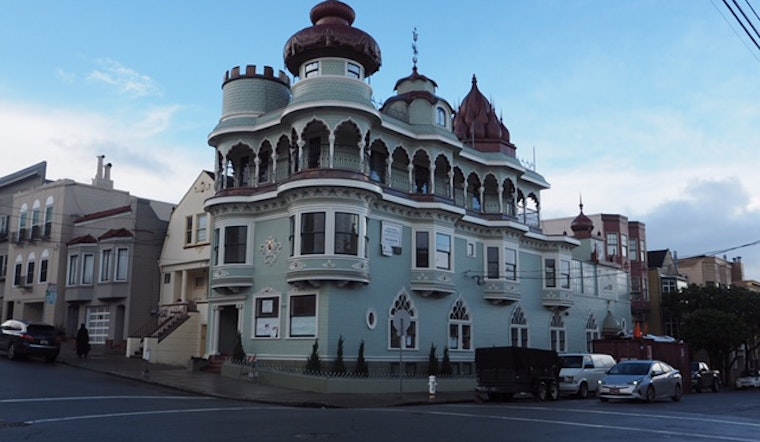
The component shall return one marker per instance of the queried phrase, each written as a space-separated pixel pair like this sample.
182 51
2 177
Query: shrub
340 365
432 361
238 354
446 369
361 368
314 364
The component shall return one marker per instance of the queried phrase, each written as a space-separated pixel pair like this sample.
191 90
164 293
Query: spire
414 49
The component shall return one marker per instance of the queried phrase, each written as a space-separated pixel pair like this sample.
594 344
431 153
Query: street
44 402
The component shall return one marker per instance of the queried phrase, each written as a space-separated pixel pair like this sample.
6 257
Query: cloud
126 81
144 163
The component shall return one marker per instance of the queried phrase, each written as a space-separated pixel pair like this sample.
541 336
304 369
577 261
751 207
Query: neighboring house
706 270
184 267
400 227
23 179
85 254
664 277
620 244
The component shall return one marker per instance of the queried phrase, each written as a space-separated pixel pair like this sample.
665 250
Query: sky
645 108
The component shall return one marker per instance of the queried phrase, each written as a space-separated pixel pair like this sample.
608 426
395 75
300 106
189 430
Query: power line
741 23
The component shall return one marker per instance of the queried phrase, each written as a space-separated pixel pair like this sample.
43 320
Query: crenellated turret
248 93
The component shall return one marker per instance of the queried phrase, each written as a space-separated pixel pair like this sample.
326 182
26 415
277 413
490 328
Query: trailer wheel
542 391
553 391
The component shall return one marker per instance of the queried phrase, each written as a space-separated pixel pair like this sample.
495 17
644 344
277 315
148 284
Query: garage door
98 322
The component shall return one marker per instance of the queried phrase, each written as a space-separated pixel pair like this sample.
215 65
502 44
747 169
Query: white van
581 372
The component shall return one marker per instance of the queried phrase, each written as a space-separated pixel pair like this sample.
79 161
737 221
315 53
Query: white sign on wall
390 238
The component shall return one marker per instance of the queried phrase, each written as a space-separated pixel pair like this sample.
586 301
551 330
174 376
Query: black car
24 338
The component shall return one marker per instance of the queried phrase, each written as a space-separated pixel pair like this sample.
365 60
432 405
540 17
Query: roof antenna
414 49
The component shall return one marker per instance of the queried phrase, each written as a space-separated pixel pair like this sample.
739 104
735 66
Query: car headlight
568 379
634 382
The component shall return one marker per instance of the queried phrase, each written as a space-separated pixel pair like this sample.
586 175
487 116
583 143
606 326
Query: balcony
639 304
231 279
314 270
436 283
557 299
501 292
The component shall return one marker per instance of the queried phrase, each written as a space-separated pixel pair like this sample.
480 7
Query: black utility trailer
503 372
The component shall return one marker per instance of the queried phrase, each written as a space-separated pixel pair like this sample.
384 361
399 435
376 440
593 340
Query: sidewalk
210 384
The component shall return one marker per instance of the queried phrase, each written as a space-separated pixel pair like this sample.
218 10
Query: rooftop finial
580 201
414 48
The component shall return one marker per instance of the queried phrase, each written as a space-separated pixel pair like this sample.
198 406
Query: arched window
29 279
36 220
592 332
460 326
557 333
519 328
48 218
440 117
402 311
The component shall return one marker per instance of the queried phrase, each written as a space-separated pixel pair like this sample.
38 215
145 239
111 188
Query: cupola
332 35
477 125
582 226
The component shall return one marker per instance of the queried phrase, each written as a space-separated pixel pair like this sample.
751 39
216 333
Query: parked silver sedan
642 380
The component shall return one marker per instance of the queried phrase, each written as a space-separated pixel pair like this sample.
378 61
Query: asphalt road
44 402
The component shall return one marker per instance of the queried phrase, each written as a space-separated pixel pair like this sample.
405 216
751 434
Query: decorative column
183 289
410 168
451 185
482 191
388 170
256 170
214 338
293 160
272 177
332 150
301 144
501 198
362 161
432 179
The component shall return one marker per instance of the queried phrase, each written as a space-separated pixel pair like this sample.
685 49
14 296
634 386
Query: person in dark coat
83 342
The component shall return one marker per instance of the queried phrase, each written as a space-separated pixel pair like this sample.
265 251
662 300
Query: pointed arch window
36 220
592 332
558 333
22 220
519 328
460 326
403 303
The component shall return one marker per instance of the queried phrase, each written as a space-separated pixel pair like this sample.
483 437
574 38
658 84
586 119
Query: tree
340 366
361 368
432 361
446 368
314 364
238 354
717 332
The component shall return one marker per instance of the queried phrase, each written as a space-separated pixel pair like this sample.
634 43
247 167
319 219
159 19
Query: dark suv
24 338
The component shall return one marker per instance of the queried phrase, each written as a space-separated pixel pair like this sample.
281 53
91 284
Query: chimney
99 172
100 180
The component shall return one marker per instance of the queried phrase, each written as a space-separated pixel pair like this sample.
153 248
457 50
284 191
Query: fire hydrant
432 384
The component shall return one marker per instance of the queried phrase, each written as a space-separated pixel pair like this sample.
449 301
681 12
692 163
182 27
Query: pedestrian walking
83 342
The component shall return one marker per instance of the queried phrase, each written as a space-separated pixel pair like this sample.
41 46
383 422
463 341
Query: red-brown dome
582 226
332 36
477 120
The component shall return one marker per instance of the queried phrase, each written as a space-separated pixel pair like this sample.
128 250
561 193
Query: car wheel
541 391
12 351
650 394
716 385
583 391
677 393
553 391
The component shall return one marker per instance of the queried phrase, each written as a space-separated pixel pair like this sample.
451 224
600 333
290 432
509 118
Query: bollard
432 384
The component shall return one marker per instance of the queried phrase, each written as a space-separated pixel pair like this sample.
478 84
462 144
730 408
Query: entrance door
228 329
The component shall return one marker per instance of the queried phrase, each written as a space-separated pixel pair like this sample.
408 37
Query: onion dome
582 226
476 123
332 36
